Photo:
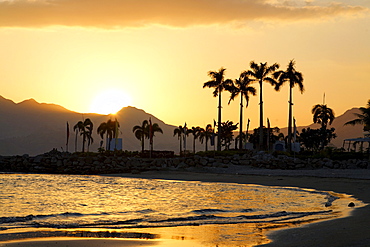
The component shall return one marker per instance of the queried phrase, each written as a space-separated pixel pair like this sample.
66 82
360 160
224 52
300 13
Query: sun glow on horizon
109 101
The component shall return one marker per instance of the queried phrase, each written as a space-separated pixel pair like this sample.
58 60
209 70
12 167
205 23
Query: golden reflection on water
114 199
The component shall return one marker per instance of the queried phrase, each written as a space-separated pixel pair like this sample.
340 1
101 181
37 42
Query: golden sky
156 54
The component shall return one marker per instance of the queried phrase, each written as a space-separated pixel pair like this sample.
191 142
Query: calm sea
101 206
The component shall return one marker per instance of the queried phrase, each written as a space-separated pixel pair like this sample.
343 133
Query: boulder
182 165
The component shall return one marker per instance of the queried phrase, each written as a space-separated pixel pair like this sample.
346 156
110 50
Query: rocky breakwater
66 163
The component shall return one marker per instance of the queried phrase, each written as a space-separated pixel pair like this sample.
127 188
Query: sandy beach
348 231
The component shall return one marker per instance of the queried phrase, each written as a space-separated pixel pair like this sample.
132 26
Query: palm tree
242 87
85 128
219 83
294 78
206 134
227 132
151 129
109 129
141 132
323 115
261 74
179 131
363 118
77 128
196 133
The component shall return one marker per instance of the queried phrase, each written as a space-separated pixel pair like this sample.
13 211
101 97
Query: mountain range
32 128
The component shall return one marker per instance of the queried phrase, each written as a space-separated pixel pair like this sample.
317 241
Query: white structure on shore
114 145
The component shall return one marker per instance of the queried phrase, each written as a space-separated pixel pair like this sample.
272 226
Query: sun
109 101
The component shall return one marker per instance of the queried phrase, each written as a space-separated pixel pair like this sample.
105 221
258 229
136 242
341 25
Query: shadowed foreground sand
348 231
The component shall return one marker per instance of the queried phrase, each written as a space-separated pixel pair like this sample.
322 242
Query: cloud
178 13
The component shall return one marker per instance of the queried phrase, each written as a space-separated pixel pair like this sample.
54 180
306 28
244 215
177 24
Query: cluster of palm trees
146 131
257 73
203 134
85 128
110 129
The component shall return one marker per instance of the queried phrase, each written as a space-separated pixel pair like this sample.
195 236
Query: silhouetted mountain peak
31 103
6 101
28 102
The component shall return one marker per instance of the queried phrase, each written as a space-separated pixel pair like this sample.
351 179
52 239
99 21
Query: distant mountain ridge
32 128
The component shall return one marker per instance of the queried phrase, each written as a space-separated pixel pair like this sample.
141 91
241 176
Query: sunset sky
155 54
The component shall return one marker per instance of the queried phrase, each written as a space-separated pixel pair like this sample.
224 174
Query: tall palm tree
196 133
109 129
241 86
179 131
85 128
294 78
323 115
261 74
151 129
141 132
206 134
363 118
219 83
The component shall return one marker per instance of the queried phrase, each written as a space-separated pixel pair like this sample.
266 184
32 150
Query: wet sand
349 231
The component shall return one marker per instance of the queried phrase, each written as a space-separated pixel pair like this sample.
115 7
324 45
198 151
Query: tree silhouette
323 115
206 134
261 74
141 132
362 118
241 86
196 133
151 129
85 128
227 133
109 129
316 139
272 133
179 131
78 126
219 83
294 78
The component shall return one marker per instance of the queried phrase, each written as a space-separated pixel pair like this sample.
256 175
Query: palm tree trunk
109 141
241 123
206 143
142 144
194 144
83 142
76 141
323 137
260 142
219 122
180 145
290 121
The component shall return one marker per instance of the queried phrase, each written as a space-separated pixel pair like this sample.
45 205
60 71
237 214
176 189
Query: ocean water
100 206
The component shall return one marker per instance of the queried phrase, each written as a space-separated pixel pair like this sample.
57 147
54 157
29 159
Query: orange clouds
134 13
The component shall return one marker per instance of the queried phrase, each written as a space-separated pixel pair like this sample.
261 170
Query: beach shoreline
348 231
